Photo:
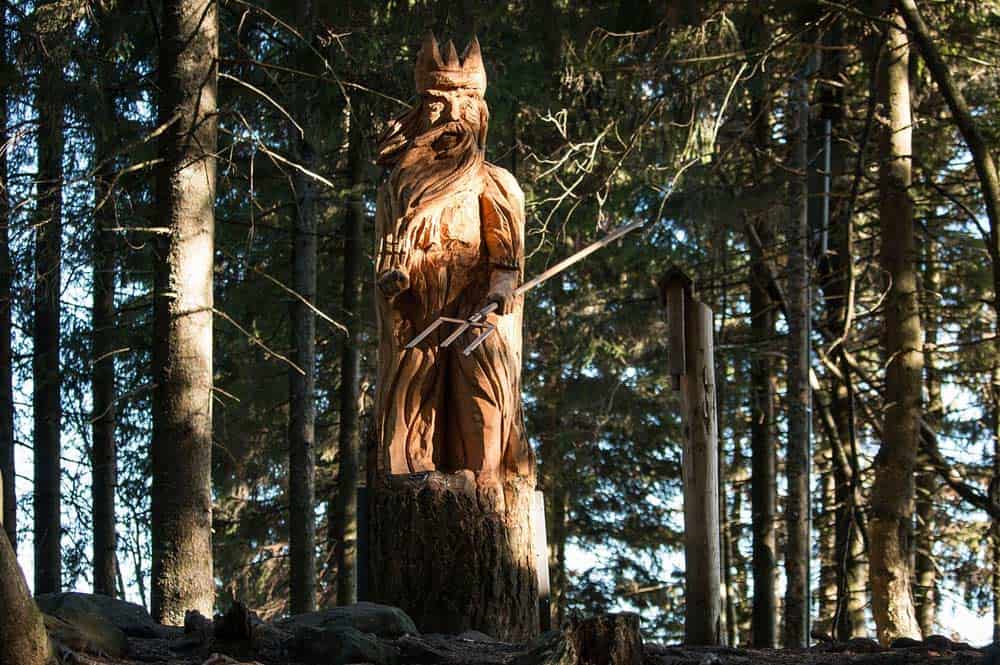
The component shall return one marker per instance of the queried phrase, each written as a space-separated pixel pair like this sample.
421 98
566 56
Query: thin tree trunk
182 346
837 277
925 573
763 489
989 180
826 527
994 529
302 386
725 475
45 361
9 497
893 488
558 533
797 517
104 456
996 536
738 563
346 525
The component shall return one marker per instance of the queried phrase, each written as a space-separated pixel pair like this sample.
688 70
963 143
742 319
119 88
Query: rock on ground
381 620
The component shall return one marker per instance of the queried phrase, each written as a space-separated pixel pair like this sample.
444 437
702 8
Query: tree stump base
607 639
455 553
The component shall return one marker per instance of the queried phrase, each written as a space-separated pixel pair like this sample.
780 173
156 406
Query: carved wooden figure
452 473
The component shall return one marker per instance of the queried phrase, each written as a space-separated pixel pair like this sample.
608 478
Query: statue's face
444 106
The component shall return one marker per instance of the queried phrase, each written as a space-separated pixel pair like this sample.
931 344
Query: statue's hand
502 285
393 282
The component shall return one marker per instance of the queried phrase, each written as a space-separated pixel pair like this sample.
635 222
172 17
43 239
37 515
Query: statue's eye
436 107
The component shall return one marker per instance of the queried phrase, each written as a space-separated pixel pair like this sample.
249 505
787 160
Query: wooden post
702 547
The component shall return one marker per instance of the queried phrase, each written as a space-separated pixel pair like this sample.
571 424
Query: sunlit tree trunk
893 488
9 498
346 524
23 640
46 403
182 344
302 379
104 456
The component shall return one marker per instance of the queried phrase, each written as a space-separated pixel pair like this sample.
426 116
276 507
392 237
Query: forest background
728 126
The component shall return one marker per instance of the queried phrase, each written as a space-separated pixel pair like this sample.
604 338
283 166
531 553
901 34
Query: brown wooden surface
452 474
181 450
893 490
454 554
702 605
607 639
23 639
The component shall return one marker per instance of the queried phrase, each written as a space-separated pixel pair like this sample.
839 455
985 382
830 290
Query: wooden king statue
452 473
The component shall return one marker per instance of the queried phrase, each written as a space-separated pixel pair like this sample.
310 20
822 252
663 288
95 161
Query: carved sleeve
503 223
386 250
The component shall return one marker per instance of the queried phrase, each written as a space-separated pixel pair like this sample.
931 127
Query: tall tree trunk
837 277
996 525
104 455
557 535
9 497
893 488
826 528
45 361
989 180
346 524
925 573
797 516
182 346
302 384
763 489
23 639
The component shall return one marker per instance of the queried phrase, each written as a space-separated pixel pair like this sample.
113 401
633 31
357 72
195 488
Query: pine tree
182 347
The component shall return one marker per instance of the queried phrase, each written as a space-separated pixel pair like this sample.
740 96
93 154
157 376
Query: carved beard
443 161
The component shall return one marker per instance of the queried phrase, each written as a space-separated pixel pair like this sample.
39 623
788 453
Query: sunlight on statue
450 239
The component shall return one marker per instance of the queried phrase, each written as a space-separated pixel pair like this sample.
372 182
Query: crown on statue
436 72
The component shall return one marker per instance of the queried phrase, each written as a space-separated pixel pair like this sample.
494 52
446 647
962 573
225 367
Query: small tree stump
608 639
454 554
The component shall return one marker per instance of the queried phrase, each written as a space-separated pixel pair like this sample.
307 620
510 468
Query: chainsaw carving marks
450 238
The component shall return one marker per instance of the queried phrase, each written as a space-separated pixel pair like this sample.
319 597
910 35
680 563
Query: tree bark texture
702 562
9 497
346 515
995 533
893 488
182 350
454 554
23 640
557 533
925 572
104 454
837 276
607 639
763 487
302 379
46 403
797 517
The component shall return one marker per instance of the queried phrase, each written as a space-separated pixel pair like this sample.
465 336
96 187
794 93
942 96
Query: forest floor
93 630
456 650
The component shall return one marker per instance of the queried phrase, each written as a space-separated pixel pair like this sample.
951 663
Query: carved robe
438 409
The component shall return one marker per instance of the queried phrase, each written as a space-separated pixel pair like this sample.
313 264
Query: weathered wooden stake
702 547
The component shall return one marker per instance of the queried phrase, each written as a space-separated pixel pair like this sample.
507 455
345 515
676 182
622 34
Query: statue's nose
452 112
